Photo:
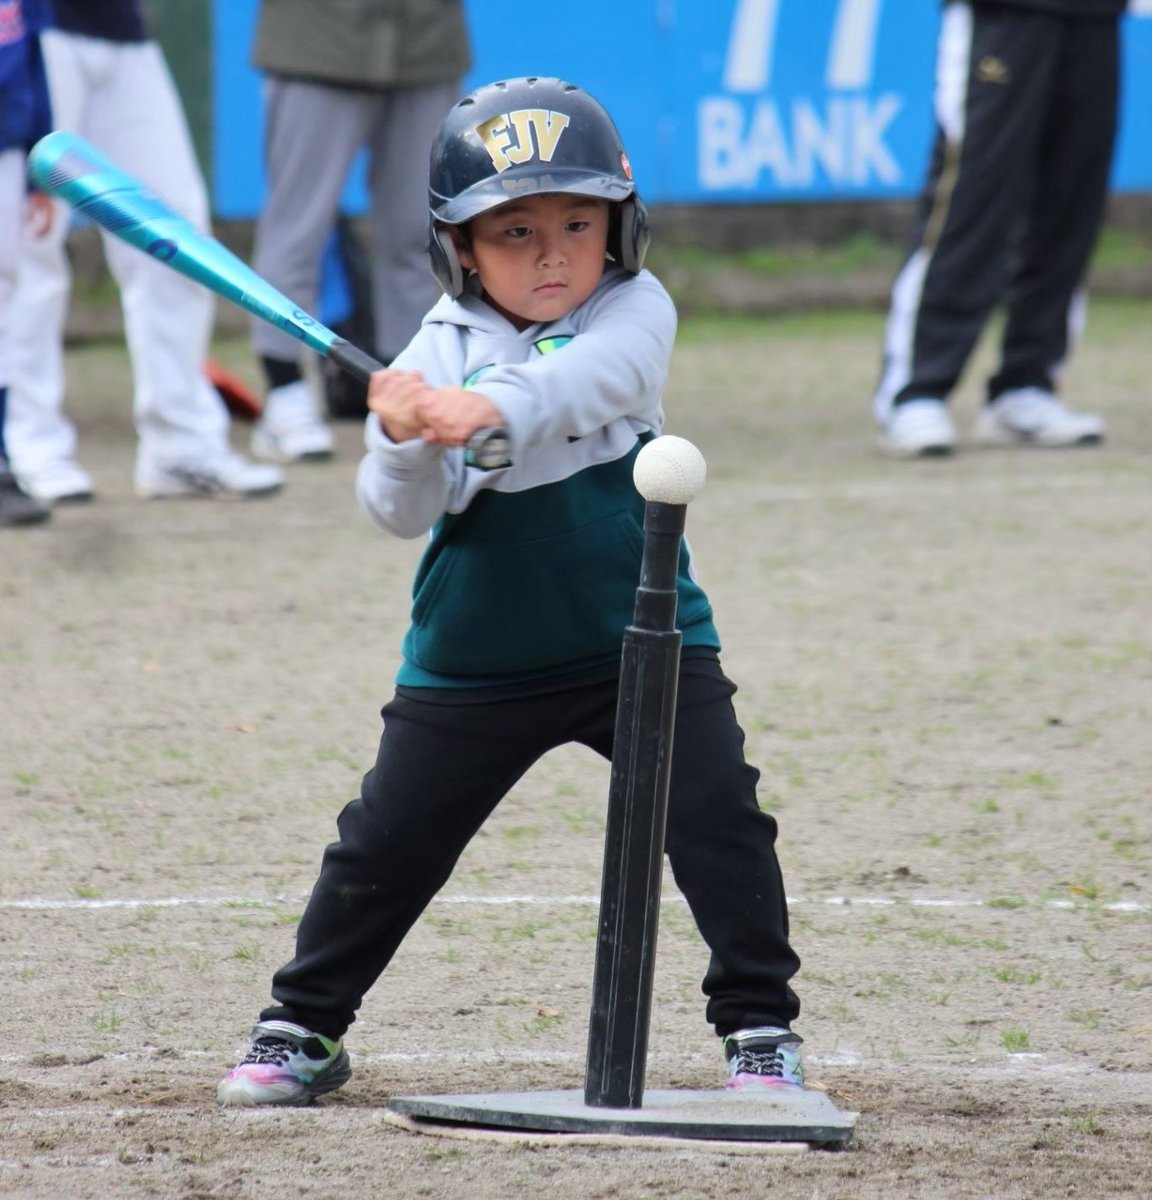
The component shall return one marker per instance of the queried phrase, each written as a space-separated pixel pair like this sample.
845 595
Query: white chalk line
1005 903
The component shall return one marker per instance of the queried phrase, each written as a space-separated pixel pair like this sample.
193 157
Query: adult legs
994 75
40 436
403 288
1045 302
136 118
312 134
121 97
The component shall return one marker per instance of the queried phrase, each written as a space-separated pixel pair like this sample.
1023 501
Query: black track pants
443 767
1026 108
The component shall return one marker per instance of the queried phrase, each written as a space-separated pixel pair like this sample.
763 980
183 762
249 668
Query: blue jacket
25 114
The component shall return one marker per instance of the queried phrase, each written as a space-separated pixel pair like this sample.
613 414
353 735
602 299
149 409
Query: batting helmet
522 137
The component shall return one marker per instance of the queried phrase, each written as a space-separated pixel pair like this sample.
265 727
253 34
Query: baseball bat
67 166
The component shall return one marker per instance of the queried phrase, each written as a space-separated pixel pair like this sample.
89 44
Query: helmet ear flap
631 234
446 265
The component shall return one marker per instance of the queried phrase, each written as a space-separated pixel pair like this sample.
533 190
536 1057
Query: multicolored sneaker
286 1064
765 1057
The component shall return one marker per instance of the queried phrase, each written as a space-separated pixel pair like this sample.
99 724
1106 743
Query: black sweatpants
443 766
1026 108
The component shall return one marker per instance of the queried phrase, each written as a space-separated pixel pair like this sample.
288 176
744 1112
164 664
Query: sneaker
286 1064
1036 417
16 506
228 475
61 481
291 429
919 429
765 1057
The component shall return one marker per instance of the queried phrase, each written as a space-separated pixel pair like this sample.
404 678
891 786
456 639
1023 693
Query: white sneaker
1037 417
291 429
228 475
61 481
919 429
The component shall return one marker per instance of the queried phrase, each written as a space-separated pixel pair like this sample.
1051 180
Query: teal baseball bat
65 165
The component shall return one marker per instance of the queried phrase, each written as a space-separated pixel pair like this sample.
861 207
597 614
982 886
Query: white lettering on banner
842 136
752 42
845 140
853 48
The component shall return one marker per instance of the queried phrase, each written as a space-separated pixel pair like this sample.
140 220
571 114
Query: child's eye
517 232
578 226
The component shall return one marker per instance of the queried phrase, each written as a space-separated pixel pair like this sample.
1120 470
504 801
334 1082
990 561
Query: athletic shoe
765 1057
60 481
291 429
16 506
919 429
286 1065
1035 416
226 475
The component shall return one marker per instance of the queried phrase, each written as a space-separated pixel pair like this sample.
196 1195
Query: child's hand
395 397
41 211
451 415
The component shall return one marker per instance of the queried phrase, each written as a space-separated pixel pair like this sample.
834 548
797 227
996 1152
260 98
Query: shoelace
759 1062
269 1050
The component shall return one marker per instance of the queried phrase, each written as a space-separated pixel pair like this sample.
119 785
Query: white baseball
669 470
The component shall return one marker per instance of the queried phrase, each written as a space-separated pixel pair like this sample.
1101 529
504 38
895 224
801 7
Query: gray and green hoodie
532 569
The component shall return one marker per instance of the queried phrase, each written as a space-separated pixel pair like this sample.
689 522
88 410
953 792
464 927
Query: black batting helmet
520 137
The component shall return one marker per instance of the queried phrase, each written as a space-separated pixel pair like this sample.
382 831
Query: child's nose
551 250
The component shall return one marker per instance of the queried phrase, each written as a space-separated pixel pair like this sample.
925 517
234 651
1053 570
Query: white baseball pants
120 96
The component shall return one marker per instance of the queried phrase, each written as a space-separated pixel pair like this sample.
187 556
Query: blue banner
723 101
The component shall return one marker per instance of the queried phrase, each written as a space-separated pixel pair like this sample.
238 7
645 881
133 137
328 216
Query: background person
1026 110
363 74
109 83
25 117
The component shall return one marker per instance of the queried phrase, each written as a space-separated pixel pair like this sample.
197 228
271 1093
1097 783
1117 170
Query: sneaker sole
268 451
275 456
181 492
936 450
21 520
743 1082
1005 438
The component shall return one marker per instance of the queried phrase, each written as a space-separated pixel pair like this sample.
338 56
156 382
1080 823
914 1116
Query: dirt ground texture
946 680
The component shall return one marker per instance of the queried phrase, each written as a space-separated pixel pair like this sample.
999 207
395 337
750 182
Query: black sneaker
767 1056
16 506
286 1064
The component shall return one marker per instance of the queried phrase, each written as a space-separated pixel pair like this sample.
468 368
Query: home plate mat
760 1121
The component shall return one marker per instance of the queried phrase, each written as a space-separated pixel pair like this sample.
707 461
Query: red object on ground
241 401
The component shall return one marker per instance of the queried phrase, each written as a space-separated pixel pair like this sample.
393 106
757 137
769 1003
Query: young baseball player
550 329
24 117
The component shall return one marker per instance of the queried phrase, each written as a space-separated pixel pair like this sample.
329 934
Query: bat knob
488 449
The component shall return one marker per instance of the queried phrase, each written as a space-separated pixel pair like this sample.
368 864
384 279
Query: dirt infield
946 679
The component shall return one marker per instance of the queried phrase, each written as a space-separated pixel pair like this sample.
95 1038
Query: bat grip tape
353 360
487 449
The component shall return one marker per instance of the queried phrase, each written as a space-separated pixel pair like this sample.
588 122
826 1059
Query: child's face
540 257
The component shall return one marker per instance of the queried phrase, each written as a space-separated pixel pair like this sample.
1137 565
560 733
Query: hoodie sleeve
405 487
616 367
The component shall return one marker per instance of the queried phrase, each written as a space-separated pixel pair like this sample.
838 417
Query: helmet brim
515 185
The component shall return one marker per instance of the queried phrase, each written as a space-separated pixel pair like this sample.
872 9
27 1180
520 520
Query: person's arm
616 367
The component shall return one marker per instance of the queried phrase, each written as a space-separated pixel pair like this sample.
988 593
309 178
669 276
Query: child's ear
463 250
